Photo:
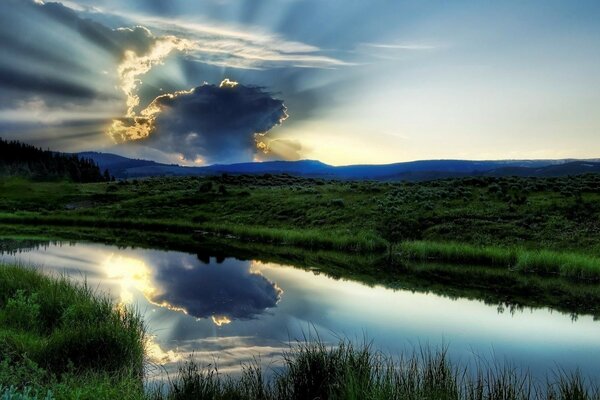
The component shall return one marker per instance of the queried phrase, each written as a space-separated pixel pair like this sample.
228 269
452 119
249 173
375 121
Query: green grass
64 339
347 371
305 238
570 265
458 253
531 225
544 262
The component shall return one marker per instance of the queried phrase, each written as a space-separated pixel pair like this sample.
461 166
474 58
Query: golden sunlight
220 320
132 274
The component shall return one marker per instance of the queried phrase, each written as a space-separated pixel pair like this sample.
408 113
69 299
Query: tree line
21 159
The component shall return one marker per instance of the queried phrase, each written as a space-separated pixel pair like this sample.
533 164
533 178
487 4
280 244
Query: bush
21 311
337 202
206 187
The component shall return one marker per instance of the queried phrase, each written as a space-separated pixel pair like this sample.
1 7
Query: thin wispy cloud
401 46
238 47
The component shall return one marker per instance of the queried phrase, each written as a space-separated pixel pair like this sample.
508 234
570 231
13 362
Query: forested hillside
20 159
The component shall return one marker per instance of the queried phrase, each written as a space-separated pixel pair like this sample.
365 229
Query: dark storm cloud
227 289
40 84
114 41
215 123
49 50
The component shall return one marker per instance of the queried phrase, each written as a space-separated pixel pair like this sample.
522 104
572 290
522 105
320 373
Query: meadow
545 226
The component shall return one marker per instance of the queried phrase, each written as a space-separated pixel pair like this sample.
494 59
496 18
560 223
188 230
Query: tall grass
364 241
570 265
63 338
305 238
313 370
459 253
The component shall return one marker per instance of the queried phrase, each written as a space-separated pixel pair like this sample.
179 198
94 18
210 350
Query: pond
229 311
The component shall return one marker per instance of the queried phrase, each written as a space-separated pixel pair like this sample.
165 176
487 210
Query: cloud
240 47
35 110
222 292
401 46
278 148
51 52
11 78
135 64
115 41
210 123
64 62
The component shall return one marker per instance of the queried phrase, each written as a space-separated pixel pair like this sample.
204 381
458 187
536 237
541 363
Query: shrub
337 202
206 187
21 311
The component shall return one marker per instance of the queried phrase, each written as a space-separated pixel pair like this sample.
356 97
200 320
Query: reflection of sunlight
257 267
134 277
134 274
131 274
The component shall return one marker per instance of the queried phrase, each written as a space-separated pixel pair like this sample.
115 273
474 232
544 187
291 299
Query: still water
229 311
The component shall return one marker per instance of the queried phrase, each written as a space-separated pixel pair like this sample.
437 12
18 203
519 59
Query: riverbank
63 341
569 264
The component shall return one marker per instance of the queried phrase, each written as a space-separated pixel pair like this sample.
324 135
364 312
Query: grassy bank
62 341
304 238
571 265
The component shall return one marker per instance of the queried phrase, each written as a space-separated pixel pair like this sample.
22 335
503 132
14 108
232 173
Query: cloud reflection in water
222 292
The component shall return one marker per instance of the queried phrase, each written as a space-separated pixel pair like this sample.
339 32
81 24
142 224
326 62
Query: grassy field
535 225
62 341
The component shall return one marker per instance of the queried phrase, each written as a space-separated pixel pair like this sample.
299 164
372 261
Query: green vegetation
544 262
62 341
314 371
20 159
532 225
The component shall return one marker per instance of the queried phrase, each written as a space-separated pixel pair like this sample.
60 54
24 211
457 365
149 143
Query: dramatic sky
342 81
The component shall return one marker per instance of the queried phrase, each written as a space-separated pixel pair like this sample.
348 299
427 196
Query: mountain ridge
419 170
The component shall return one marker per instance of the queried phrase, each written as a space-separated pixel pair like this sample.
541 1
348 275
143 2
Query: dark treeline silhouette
21 159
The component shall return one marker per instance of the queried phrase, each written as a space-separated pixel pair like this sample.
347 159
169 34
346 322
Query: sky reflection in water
231 311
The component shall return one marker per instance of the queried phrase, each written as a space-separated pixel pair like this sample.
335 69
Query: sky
340 81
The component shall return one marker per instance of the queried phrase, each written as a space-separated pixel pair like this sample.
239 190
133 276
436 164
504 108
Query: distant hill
117 165
123 167
20 159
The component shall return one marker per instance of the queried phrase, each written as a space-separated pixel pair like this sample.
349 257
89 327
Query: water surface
230 311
